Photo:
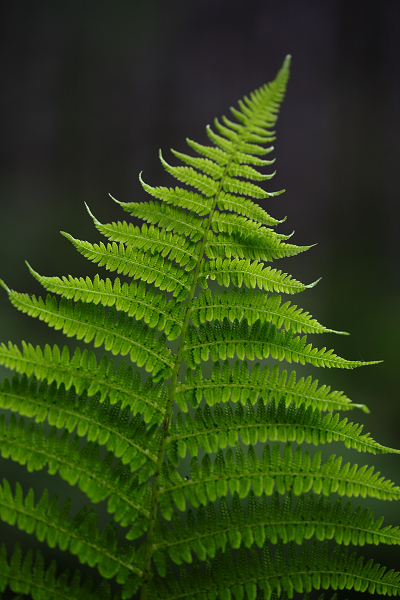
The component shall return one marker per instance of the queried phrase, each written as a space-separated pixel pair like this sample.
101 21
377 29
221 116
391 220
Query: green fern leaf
211 431
244 206
252 275
90 323
167 217
100 422
209 167
179 197
254 247
258 507
204 534
137 264
150 238
133 299
128 497
279 573
239 303
223 340
204 184
84 373
80 535
273 471
237 384
247 239
28 575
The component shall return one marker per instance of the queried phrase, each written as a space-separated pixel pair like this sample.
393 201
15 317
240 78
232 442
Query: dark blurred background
92 90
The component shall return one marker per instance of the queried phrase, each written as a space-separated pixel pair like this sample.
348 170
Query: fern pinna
203 468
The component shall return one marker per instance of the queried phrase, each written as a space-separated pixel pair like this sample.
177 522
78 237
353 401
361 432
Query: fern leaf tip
370 362
34 273
5 286
115 200
337 332
89 211
313 284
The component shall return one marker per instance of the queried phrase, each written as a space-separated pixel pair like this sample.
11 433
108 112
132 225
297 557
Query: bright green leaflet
198 447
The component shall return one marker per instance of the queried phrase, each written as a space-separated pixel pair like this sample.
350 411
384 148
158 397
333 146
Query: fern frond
243 534
222 340
129 440
80 535
161 273
89 322
251 274
158 241
253 305
291 471
269 422
204 533
149 305
179 197
237 384
127 494
84 373
28 575
278 572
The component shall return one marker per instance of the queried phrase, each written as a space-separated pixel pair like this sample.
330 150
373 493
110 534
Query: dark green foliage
197 452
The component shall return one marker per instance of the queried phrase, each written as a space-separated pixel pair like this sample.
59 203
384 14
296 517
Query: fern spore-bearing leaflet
190 428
